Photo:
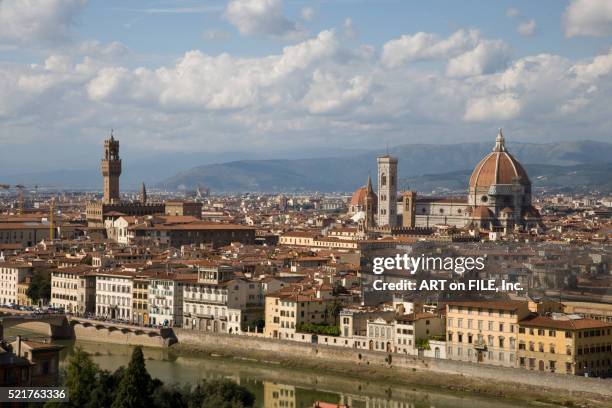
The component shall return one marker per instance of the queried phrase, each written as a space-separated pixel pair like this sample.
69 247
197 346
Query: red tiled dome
358 196
498 167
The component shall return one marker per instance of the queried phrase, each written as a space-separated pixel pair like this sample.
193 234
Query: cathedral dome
358 197
498 167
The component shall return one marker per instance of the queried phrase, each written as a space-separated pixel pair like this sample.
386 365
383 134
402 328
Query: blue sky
274 75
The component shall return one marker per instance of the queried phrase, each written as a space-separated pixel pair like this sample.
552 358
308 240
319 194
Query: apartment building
286 311
65 285
165 296
484 331
566 344
87 294
381 334
413 331
140 301
11 275
218 302
114 294
22 292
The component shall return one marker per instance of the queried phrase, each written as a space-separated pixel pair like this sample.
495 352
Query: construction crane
20 195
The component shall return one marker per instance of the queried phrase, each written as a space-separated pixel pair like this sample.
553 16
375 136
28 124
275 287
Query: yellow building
590 310
565 344
285 312
22 288
279 395
484 331
140 301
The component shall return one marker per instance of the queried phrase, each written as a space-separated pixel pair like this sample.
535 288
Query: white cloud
200 81
527 28
488 57
423 46
588 18
329 93
317 91
261 17
108 51
493 108
600 66
29 21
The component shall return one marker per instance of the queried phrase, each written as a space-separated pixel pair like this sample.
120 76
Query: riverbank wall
273 349
109 335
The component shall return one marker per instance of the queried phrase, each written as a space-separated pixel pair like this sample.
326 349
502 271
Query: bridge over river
61 326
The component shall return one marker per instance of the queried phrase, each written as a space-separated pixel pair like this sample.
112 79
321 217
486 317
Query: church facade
498 198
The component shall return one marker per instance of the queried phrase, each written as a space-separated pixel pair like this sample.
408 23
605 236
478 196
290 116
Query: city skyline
282 76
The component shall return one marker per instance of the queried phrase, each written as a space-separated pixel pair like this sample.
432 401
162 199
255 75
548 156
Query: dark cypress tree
136 386
81 379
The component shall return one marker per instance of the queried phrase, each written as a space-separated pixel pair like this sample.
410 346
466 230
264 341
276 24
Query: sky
255 76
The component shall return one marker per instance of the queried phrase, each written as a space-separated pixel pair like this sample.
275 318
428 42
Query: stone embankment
504 381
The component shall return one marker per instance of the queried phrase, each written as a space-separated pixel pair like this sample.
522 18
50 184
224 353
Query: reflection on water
276 386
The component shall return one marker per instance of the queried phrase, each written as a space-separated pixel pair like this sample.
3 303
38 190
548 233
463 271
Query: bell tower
111 170
387 191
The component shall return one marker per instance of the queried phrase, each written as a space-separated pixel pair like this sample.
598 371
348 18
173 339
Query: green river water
276 386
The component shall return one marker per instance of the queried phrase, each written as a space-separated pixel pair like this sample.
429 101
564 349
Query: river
275 386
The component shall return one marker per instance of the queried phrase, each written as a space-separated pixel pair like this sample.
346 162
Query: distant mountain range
424 167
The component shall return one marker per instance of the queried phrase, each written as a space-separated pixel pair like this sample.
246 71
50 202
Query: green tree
333 309
80 379
136 387
40 287
106 390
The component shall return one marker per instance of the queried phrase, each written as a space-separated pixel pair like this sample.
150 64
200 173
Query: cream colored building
114 294
11 275
65 287
414 327
484 331
219 302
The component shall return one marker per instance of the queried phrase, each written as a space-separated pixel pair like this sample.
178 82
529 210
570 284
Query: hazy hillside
449 163
587 177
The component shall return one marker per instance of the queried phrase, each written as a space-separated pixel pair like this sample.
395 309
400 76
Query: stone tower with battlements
111 170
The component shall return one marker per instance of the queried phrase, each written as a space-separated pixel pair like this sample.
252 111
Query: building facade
484 331
566 344
11 275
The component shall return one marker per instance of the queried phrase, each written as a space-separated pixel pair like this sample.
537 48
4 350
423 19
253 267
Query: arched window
383 179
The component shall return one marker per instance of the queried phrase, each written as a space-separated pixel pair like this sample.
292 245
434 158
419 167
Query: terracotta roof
358 196
510 305
498 167
564 323
482 212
